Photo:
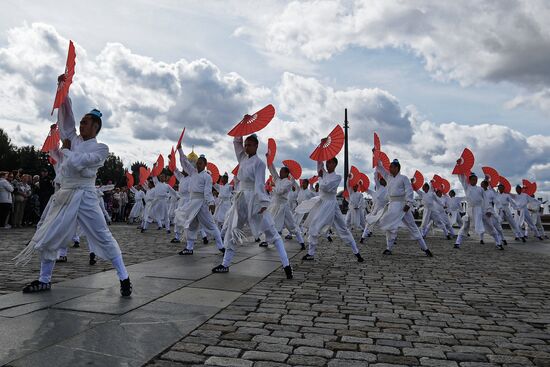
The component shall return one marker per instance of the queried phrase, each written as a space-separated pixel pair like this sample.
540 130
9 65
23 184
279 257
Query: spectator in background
22 193
123 203
32 210
116 205
46 189
6 190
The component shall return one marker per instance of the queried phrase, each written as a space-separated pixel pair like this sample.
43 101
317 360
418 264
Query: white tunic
474 198
137 209
224 202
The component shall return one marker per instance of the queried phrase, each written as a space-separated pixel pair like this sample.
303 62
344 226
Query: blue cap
95 112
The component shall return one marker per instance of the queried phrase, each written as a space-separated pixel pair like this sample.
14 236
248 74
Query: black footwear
76 244
186 252
263 244
175 240
540 238
481 242
523 239
302 246
449 237
516 239
505 243
36 286
359 257
329 239
220 269
288 237
457 246
139 227
362 240
500 247
62 259
205 240
386 252
92 258
142 230
308 257
125 287
288 271
256 240
222 250
168 231
428 253
159 228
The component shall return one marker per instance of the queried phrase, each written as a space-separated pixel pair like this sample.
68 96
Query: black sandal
220 269
263 244
37 286
186 252
62 259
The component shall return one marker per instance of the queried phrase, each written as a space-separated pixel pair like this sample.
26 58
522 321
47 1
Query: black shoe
481 242
288 237
516 239
540 238
329 239
36 286
263 244
168 231
143 230
205 240
523 239
467 234
92 258
428 253
362 240
76 244
308 257
505 243
500 247
175 240
449 237
457 246
62 259
222 250
359 257
125 287
370 234
139 227
159 228
256 240
288 271
186 252
386 252
220 269
302 246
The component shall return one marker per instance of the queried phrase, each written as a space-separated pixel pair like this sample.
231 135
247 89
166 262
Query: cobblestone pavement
470 307
136 248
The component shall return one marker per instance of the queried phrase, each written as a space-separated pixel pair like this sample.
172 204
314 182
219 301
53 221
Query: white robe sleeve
239 148
259 185
208 190
66 121
408 191
82 160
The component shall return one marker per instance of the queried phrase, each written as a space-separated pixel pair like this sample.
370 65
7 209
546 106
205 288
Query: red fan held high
491 175
143 175
529 187
271 151
159 166
172 161
65 82
52 140
329 146
504 182
253 123
294 168
213 170
417 181
465 163
129 179
363 182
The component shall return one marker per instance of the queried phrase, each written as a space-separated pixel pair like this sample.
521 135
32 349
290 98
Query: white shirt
5 191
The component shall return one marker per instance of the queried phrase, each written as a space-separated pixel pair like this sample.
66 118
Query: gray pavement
470 307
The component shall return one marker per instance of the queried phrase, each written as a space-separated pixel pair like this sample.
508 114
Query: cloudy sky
430 77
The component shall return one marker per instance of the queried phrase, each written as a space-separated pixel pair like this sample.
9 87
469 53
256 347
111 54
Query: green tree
135 170
7 152
112 170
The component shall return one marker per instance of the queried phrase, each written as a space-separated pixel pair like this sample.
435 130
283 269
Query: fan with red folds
313 180
354 171
172 161
213 170
363 182
491 175
294 168
253 123
355 176
329 146
445 186
129 179
52 140
144 174
417 181
504 182
269 184
158 167
529 187
63 85
271 151
376 142
172 181
465 163
181 138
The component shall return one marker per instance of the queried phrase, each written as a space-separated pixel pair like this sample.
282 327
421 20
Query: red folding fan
417 181
63 85
376 142
214 171
252 123
144 174
294 168
445 186
492 175
129 179
172 161
503 181
172 181
329 146
465 163
529 187
364 182
271 151
181 138
159 166
313 180
235 170
52 140
385 160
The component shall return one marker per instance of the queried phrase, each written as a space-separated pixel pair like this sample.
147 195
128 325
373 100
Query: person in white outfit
355 217
454 207
379 200
522 200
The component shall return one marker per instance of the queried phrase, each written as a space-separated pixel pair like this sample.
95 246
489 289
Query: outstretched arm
65 120
185 164
239 148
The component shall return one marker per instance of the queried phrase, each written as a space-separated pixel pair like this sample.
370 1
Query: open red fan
417 181
355 176
129 179
214 171
491 175
329 146
313 180
181 138
172 181
144 174
252 123
376 142
385 160
271 151
354 171
269 184
159 166
172 161
235 170
503 181
63 86
364 182
52 140
445 186
294 168
465 163
52 161
529 187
